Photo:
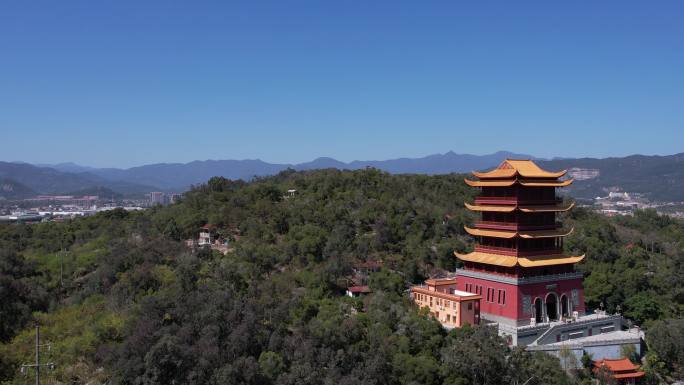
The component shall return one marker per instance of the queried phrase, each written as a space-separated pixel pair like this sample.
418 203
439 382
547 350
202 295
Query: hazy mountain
10 189
440 163
67 167
31 180
180 176
100 191
658 177
322 163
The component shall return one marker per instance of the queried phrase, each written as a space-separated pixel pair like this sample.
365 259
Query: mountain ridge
659 177
23 180
170 176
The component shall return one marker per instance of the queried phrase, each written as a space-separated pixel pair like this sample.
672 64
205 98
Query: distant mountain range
179 176
659 177
21 180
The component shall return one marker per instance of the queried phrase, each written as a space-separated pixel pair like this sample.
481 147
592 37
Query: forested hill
660 178
135 306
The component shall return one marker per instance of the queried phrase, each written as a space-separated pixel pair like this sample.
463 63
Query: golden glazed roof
488 259
522 167
527 208
490 233
549 260
522 182
510 261
534 234
498 183
547 208
491 208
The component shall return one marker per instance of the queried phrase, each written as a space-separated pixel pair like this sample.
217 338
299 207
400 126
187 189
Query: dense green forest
122 300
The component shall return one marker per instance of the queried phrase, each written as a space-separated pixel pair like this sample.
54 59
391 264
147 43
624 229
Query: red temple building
518 265
521 280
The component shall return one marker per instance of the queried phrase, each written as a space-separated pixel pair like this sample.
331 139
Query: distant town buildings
162 199
621 203
174 197
158 198
61 207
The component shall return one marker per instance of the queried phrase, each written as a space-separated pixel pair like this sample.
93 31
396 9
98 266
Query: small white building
205 235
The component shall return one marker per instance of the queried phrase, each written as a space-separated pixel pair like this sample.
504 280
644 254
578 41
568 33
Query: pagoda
518 265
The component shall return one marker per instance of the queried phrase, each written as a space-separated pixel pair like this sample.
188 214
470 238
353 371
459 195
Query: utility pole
61 268
37 364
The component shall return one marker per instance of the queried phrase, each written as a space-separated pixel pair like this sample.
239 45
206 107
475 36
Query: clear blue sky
124 83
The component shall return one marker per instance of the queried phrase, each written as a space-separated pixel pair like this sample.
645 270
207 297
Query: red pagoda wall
513 306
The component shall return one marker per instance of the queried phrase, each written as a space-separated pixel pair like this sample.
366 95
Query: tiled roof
618 365
359 289
523 167
510 261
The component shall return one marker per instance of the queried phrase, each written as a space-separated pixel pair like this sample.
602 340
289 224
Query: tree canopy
124 300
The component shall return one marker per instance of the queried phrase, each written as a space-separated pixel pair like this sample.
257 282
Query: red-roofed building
623 371
357 291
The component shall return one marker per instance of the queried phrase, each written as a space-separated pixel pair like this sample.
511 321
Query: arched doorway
538 310
565 306
552 306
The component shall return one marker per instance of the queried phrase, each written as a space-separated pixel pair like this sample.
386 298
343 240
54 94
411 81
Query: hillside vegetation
123 301
660 178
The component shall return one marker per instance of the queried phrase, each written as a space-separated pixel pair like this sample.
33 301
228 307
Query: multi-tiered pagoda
518 265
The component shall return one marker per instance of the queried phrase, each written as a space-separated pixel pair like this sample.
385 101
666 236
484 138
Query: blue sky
119 83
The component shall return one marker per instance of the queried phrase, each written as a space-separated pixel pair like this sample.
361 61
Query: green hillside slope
128 303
